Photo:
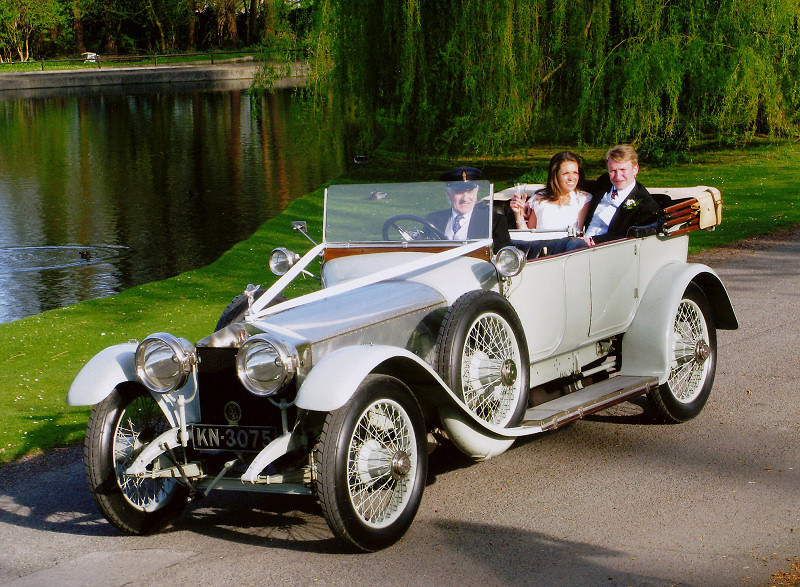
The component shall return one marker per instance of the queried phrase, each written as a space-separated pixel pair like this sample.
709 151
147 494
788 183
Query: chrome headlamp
281 260
265 365
509 261
164 362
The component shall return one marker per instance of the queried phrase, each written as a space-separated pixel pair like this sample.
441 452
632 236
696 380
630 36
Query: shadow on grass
50 430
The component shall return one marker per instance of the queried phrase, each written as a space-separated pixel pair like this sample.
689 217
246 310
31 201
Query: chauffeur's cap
460 178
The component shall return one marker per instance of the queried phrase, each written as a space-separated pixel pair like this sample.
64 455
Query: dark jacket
646 211
478 224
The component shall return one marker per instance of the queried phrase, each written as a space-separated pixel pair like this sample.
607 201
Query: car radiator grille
219 385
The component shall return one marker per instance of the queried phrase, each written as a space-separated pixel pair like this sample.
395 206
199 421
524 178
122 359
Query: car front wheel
372 461
692 359
119 428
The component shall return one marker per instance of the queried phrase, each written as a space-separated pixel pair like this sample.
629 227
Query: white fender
335 378
102 374
645 346
476 444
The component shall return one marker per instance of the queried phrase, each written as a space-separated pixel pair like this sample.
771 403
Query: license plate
239 438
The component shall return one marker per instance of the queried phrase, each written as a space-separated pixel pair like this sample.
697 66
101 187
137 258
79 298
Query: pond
104 190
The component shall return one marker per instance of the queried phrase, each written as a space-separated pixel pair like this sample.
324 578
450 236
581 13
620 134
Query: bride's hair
551 191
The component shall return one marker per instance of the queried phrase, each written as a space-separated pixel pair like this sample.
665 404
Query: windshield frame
358 213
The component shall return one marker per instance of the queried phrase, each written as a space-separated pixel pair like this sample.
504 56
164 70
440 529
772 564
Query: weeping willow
480 76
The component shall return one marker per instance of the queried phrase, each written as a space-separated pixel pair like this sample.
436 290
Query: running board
591 399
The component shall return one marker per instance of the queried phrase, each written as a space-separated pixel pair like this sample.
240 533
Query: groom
618 200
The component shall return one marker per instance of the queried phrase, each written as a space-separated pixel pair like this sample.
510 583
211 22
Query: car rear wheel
483 356
372 461
119 428
693 359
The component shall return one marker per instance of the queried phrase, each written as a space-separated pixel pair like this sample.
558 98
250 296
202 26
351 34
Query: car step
590 399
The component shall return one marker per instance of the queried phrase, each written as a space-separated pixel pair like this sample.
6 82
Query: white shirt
461 235
605 211
551 215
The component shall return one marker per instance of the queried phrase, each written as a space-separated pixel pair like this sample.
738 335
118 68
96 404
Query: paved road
616 499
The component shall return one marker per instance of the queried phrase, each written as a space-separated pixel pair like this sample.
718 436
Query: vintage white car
411 337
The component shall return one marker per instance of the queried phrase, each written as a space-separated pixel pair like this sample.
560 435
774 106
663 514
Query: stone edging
86 78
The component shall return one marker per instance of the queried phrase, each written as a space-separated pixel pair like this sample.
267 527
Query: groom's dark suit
643 213
478 224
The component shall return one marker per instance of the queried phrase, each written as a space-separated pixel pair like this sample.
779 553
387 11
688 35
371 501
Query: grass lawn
40 355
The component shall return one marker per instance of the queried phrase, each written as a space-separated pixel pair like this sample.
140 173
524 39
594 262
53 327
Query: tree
464 76
25 22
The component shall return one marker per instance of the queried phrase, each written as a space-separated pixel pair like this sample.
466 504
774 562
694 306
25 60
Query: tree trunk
252 22
269 19
191 26
230 19
154 19
111 24
77 26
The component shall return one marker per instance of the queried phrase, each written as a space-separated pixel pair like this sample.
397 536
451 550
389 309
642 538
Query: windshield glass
396 212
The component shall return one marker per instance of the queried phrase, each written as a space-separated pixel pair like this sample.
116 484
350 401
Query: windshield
396 212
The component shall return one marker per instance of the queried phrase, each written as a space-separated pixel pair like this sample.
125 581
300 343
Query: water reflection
174 176
24 259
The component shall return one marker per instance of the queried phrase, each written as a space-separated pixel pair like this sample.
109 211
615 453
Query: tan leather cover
709 201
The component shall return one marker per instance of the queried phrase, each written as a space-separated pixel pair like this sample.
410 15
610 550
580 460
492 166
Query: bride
560 205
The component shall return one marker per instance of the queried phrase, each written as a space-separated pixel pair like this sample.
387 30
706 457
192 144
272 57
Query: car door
551 297
614 270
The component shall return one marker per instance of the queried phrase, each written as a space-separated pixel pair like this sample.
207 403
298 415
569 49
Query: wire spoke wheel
692 359
379 463
489 369
120 427
483 356
372 460
690 352
140 422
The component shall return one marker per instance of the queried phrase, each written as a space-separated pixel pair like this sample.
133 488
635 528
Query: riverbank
126 76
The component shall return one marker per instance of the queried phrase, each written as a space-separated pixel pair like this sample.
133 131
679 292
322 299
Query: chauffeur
466 218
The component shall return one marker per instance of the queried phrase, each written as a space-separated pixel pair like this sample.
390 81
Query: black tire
119 427
483 328
372 460
693 359
234 312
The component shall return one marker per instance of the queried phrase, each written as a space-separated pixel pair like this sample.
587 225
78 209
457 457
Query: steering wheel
428 230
